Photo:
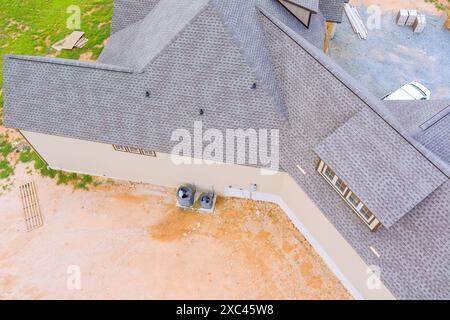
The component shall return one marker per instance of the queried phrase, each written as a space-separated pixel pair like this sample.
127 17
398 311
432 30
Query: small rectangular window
149 153
145 152
133 150
329 173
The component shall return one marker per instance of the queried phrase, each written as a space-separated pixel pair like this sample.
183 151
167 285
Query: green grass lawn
30 27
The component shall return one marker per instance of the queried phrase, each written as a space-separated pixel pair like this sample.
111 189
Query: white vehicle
410 91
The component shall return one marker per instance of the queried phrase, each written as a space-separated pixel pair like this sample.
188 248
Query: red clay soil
131 242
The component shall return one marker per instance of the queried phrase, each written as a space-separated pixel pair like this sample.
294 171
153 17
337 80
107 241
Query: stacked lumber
356 21
419 24
402 17
74 40
411 18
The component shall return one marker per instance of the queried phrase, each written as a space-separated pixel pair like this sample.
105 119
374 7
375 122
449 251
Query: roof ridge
229 29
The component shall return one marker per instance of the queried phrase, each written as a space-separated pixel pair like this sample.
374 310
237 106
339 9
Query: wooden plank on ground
58 46
72 39
447 23
30 204
412 16
360 22
420 23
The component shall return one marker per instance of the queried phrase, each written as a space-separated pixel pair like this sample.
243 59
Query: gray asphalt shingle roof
427 122
411 114
435 135
240 18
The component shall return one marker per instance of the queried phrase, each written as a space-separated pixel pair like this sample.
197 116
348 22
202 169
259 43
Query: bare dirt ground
131 242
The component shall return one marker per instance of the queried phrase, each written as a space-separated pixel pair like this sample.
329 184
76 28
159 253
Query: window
120 148
340 185
145 152
350 198
353 199
365 212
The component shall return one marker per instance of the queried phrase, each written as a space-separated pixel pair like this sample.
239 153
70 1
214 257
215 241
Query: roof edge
178 35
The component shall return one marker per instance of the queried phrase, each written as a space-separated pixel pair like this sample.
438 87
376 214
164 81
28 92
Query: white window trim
148 153
373 223
139 151
334 180
358 208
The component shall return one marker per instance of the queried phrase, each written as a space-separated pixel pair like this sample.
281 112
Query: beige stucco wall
102 160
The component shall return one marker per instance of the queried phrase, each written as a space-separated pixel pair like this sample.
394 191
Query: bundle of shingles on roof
74 40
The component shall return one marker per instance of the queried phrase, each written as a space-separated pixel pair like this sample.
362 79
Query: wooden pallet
33 217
